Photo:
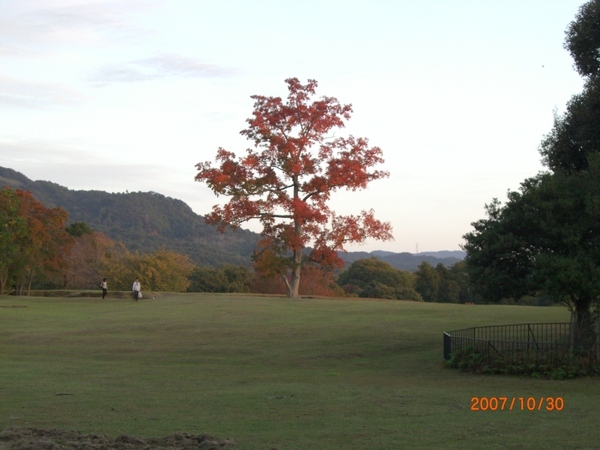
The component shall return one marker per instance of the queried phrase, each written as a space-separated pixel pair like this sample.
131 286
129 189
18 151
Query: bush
374 278
228 278
474 360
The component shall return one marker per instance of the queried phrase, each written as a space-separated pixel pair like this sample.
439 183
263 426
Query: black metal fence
536 343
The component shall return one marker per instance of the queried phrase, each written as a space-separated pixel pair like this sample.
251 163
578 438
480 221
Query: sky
129 95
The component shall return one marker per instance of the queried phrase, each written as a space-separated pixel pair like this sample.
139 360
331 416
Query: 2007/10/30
517 403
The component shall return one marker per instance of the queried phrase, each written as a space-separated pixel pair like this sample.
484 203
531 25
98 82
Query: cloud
161 66
103 15
119 74
72 167
36 152
29 28
171 64
26 94
76 168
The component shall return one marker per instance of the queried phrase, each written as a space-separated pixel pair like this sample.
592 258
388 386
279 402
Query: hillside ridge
146 221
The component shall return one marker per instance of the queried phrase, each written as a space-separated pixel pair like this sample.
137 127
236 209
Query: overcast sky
129 95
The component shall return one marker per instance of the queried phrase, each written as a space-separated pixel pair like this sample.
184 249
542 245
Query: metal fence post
447 346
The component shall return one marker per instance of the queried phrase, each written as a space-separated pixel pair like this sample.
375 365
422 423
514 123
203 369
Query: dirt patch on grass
16 438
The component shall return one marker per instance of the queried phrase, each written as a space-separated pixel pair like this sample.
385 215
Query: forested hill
142 221
407 261
145 221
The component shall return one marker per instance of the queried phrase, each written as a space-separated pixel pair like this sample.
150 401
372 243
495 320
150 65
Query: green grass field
274 373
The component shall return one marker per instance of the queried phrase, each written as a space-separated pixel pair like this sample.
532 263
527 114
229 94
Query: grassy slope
273 373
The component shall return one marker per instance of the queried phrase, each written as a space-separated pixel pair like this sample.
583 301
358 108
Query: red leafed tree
287 180
39 243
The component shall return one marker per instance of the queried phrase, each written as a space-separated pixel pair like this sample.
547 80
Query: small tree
427 282
78 229
286 181
449 291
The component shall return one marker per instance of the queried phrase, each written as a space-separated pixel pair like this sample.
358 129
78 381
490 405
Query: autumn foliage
162 270
94 256
287 180
36 247
33 239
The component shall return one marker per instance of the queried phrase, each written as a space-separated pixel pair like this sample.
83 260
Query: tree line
40 250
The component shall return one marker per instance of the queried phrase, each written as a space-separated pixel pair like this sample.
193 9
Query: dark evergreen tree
77 229
546 239
427 282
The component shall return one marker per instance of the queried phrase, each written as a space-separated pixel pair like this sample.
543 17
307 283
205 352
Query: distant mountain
406 261
145 221
458 254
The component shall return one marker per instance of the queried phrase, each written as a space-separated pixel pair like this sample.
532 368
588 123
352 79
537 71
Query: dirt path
38 439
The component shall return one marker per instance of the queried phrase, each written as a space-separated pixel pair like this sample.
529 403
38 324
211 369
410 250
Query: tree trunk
297 252
597 329
286 282
583 330
29 282
294 284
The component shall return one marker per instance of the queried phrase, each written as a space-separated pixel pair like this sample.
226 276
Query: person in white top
136 288
104 286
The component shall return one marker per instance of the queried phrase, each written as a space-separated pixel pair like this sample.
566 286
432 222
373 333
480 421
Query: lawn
275 373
